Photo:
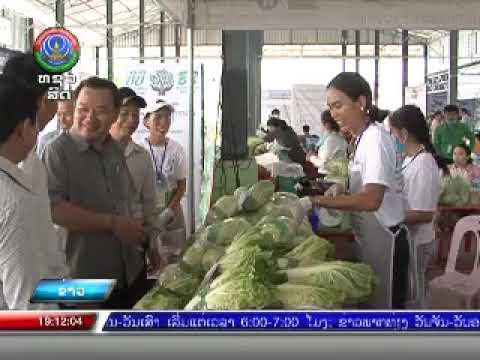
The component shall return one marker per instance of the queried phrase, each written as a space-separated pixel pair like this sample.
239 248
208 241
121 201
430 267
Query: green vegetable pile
257 252
456 189
337 170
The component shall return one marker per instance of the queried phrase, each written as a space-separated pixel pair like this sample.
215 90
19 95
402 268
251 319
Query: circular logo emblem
57 50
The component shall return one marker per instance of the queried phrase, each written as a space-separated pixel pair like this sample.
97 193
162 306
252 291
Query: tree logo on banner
162 81
267 4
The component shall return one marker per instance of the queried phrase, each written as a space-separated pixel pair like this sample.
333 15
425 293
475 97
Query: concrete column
453 72
110 39
377 65
357 51
60 12
141 30
404 63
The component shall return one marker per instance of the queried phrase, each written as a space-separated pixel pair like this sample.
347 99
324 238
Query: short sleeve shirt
421 192
174 161
376 161
95 178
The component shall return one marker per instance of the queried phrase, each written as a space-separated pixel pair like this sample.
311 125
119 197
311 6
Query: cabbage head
313 250
456 189
258 195
357 281
175 278
225 207
224 232
211 256
307 297
305 229
160 299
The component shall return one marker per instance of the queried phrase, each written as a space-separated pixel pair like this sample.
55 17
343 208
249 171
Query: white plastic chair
454 290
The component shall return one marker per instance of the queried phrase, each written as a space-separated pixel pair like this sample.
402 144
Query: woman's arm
177 197
369 199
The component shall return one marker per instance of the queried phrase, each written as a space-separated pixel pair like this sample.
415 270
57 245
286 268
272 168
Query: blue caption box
314 321
73 291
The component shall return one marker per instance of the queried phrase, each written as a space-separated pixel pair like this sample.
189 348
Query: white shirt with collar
142 171
174 166
36 174
24 234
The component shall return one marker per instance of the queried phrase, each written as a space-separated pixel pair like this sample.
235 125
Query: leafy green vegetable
313 250
181 282
456 189
337 170
160 299
253 143
307 297
355 280
211 256
258 195
224 232
225 207
305 229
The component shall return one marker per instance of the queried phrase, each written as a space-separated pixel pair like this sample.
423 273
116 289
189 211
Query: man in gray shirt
90 190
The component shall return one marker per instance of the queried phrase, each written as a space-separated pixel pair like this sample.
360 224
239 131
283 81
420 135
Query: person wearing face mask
452 133
421 170
374 191
169 164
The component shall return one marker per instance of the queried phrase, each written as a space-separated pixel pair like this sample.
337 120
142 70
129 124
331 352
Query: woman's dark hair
328 119
354 85
411 118
467 151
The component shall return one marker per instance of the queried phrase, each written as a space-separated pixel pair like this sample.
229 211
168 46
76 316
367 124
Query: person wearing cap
169 164
138 162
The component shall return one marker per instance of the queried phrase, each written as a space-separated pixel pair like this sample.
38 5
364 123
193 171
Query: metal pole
161 36
404 63
110 39
141 30
97 61
60 13
453 79
177 42
357 51
344 48
30 33
191 162
377 65
425 71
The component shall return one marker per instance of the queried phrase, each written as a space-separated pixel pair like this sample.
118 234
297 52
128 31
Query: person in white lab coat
374 191
333 146
169 162
421 170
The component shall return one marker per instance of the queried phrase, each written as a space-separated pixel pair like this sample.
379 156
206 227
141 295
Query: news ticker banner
242 321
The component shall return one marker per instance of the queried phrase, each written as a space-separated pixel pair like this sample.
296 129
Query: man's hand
128 229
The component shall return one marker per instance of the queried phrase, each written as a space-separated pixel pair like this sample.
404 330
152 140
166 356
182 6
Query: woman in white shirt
374 192
333 146
422 188
169 164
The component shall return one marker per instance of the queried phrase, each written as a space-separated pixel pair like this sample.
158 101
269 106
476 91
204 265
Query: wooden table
462 211
343 241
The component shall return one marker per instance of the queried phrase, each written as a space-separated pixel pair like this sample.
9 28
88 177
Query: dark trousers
401 258
126 298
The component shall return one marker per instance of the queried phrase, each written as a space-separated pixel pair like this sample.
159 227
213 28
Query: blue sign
73 290
311 321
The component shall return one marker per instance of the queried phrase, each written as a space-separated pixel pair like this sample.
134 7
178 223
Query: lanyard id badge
160 178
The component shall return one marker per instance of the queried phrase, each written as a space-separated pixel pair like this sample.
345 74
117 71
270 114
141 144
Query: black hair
306 128
451 108
465 110
436 113
411 118
99 83
275 111
24 67
467 151
379 114
354 85
328 119
18 102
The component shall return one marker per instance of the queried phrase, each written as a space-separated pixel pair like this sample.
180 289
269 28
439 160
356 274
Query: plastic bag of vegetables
257 196
160 298
307 297
337 170
355 280
456 189
176 278
225 207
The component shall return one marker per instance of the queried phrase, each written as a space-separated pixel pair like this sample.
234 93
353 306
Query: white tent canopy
329 14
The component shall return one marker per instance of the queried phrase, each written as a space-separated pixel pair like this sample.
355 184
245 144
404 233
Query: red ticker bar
22 321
